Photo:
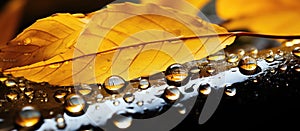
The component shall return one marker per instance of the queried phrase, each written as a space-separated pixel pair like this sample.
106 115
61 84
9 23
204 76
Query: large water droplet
248 65
75 104
28 117
144 84
12 95
232 58
172 93
176 73
10 83
128 97
60 121
84 89
230 91
121 121
114 84
296 52
205 89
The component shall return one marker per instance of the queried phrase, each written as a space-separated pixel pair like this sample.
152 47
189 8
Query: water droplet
297 68
60 121
296 41
296 52
230 91
3 78
280 52
248 65
54 66
283 67
140 103
121 121
21 84
195 70
29 92
205 89
278 57
12 95
116 102
10 83
59 95
27 41
176 73
210 70
128 97
217 56
172 93
180 108
253 52
28 117
241 52
114 84
232 58
288 43
269 58
75 104
144 84
85 89
99 97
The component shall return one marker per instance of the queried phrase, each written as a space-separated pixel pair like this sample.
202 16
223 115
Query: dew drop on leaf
75 104
144 84
114 84
248 65
128 97
172 93
176 73
232 58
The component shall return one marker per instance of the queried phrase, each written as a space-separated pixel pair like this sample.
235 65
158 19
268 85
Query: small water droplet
248 65
85 89
29 92
205 89
10 83
114 84
280 52
128 97
296 52
180 108
54 66
253 51
297 68
60 121
216 57
241 52
278 57
211 70
269 58
232 58
283 67
75 104
121 121
230 91
27 41
28 117
41 94
140 103
116 102
99 97
59 95
172 93
288 43
12 95
195 70
176 73
144 84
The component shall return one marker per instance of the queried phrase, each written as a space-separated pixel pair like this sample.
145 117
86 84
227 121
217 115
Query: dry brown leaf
278 17
147 41
9 19
44 39
191 7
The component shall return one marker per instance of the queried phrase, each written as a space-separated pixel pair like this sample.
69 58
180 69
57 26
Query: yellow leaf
44 39
129 40
278 17
191 7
